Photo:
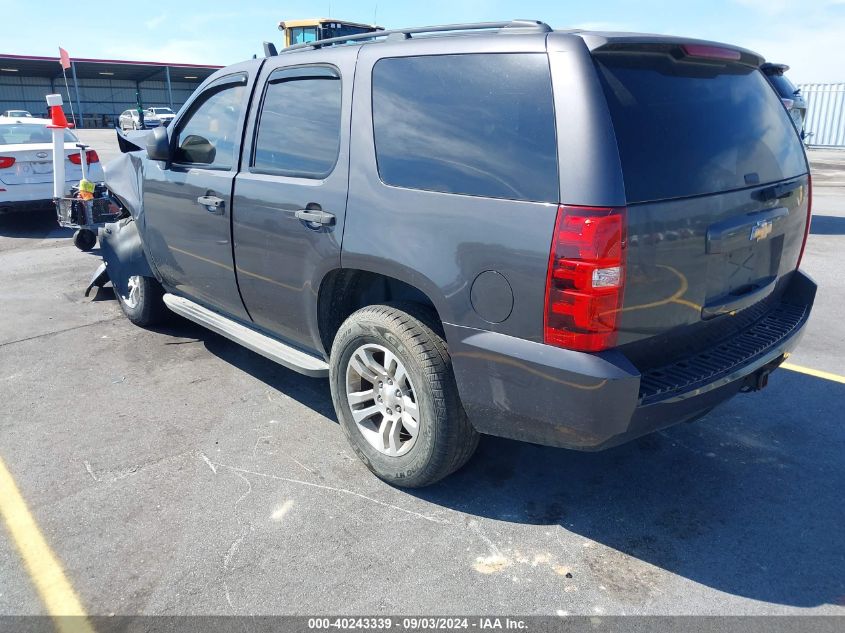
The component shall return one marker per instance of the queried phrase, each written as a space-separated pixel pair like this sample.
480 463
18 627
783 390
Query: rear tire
143 303
413 431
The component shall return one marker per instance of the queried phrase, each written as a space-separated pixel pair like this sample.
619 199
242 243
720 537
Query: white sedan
162 114
17 114
26 164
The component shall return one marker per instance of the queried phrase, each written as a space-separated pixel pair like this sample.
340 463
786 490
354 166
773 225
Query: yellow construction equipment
303 31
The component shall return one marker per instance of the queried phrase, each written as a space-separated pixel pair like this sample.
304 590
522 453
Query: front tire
396 398
143 303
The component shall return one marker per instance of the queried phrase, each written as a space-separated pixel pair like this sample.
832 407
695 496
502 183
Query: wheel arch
346 290
123 253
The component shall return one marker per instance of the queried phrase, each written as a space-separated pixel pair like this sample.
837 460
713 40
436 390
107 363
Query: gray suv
570 238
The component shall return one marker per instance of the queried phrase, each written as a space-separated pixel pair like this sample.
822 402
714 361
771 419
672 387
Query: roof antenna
375 14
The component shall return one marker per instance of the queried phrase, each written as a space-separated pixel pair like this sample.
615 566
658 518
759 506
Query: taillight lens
90 157
586 278
809 219
6 161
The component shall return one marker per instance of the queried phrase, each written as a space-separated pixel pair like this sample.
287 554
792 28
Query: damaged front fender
123 256
121 246
99 279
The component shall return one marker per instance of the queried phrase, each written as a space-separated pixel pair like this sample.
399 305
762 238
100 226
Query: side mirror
196 149
158 144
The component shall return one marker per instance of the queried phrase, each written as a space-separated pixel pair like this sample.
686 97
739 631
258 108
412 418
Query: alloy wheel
382 399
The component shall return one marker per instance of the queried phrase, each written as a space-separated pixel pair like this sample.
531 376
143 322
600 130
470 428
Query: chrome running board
277 351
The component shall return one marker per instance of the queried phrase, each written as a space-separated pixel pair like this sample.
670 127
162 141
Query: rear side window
686 129
480 125
299 128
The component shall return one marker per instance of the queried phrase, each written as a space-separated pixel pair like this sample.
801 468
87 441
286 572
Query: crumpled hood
124 177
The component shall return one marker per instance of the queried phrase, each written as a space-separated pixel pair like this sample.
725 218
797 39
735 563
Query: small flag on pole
64 58
64 61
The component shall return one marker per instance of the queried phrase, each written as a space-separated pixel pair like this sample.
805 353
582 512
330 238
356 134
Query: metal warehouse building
105 87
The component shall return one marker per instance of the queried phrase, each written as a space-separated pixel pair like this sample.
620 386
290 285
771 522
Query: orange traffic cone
57 115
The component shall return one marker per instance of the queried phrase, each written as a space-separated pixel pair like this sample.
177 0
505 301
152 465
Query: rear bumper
537 393
29 192
19 206
39 192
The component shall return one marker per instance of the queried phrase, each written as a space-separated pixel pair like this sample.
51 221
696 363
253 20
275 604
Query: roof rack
514 26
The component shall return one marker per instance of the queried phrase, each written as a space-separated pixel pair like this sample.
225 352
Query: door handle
212 204
315 216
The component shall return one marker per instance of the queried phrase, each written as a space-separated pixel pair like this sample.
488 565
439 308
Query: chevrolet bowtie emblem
760 230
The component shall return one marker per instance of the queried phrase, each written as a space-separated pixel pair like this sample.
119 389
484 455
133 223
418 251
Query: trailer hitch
760 379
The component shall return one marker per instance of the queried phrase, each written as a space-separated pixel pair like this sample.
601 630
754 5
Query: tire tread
418 327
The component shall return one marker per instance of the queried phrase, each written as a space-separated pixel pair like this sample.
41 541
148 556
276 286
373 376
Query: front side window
299 127
210 135
479 125
303 34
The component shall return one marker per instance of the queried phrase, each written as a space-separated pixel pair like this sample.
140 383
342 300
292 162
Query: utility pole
76 88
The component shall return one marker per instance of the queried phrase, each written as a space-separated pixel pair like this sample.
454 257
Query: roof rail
514 26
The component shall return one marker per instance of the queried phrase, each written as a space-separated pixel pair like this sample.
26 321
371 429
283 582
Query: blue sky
808 35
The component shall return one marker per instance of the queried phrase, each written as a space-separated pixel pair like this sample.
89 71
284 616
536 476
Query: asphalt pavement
174 472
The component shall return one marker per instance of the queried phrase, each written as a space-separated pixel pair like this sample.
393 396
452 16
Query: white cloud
814 54
174 51
156 21
776 7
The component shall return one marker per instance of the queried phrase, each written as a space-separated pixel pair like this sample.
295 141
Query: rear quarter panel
441 242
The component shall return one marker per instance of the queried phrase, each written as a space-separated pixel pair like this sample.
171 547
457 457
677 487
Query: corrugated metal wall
100 97
825 114
26 93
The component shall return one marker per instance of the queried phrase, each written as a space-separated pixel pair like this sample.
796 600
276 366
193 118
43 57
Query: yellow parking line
44 568
815 372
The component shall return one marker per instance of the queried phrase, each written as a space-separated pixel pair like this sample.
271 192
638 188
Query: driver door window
209 136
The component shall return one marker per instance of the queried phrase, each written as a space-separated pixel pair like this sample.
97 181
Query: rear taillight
809 218
6 161
585 279
90 157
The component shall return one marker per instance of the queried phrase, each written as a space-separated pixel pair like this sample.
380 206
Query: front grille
721 359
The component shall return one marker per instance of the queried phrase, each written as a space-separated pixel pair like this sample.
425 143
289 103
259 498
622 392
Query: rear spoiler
778 69
678 47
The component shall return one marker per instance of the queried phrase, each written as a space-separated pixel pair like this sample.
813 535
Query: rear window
28 134
687 129
479 125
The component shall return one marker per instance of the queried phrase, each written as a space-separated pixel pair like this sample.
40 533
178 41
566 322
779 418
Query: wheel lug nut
380 384
379 398
389 382
398 394
398 409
